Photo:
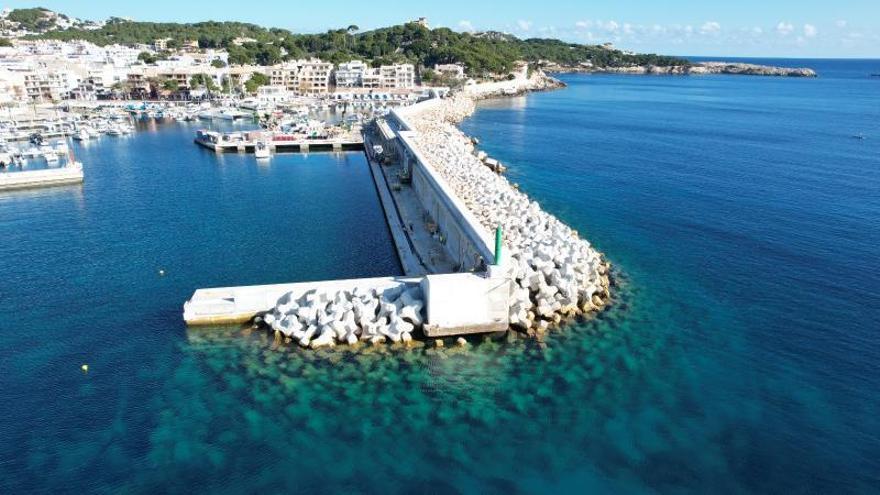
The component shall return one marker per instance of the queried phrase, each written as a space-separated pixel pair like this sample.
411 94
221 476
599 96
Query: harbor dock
247 142
41 178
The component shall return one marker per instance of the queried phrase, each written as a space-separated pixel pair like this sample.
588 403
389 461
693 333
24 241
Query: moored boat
261 150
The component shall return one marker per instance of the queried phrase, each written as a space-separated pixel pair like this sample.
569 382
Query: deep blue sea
741 354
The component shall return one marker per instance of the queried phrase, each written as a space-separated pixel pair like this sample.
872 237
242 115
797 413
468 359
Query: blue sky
789 28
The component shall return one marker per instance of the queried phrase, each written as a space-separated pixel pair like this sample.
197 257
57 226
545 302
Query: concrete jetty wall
463 237
41 178
227 305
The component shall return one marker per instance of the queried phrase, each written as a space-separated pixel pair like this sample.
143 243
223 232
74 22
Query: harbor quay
478 255
70 174
271 141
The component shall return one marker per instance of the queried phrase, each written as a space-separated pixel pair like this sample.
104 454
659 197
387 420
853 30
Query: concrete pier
247 142
41 178
233 305
443 249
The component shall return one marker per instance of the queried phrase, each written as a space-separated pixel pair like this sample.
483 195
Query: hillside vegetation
35 19
480 52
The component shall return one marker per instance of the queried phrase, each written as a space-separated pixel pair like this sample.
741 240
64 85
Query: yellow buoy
85 368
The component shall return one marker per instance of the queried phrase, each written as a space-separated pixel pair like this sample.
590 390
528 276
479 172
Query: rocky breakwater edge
557 275
323 318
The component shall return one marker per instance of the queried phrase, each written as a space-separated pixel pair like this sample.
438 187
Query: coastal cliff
702 68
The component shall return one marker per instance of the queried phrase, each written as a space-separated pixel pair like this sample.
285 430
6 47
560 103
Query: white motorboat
82 135
30 152
261 150
50 156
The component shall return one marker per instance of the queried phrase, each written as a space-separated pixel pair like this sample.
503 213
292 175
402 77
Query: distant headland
698 68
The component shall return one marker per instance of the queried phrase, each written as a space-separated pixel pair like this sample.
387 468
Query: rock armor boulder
326 318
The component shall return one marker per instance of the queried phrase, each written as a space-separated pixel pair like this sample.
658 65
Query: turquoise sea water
740 354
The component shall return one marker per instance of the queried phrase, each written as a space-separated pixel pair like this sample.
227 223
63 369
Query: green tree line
480 53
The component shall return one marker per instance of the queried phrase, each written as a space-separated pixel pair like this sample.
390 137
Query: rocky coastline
538 80
701 68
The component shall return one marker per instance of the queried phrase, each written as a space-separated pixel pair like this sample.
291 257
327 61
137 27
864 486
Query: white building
371 78
455 71
273 94
351 74
50 84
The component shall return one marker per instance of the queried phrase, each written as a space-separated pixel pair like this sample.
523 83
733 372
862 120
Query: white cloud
610 26
466 26
757 31
841 24
710 28
524 25
784 28
810 31
583 24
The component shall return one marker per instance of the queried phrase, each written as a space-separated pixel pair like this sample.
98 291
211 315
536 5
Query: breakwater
555 273
440 197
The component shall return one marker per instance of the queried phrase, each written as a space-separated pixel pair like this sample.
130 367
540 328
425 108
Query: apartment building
50 84
284 75
372 79
398 76
350 74
314 77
